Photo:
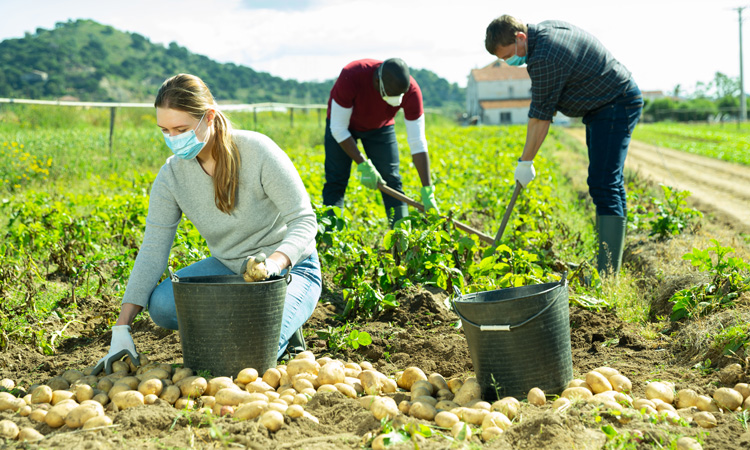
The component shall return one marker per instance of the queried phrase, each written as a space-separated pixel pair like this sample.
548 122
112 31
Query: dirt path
716 187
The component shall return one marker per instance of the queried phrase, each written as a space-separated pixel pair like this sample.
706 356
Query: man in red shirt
363 102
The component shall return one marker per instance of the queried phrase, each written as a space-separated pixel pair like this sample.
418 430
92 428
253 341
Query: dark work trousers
381 148
608 131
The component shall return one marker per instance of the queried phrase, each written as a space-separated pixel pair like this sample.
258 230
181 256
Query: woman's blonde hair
189 93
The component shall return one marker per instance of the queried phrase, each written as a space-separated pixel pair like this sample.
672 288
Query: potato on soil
409 376
446 419
461 431
28 434
332 373
98 421
422 410
508 406
170 394
55 417
688 443
250 410
608 372
470 390
384 407
686 398
83 392
215 384
10 402
302 365
346 389
7 383
8 429
184 403
152 386
704 419
660 390
728 399
272 420
496 419
247 375
577 393
79 415
536 397
372 381
491 433
193 386
561 404
621 383
706 403
128 399
42 394
598 382
471 415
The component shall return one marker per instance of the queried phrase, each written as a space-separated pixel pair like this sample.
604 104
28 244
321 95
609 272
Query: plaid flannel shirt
570 71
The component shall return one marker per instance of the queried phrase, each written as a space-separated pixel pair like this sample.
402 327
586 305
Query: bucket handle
563 282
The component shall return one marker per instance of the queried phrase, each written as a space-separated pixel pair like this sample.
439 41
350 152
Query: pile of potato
80 400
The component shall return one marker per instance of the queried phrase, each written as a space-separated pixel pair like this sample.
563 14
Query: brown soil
420 333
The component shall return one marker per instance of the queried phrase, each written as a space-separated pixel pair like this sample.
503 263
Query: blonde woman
244 196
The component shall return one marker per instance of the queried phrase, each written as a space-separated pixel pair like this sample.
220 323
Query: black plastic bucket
519 338
227 324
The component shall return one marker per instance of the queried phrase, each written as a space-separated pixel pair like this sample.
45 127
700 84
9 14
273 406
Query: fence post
291 117
255 119
111 128
319 123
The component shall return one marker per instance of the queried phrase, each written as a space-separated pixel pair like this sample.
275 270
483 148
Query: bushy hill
95 62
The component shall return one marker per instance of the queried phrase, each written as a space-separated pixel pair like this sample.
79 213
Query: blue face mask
516 60
185 145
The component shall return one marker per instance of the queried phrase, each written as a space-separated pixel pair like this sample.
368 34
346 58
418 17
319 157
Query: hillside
95 62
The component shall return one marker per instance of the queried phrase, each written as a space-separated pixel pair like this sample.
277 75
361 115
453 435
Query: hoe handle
508 210
399 196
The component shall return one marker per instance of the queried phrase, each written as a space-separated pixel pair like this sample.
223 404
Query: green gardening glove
428 198
369 175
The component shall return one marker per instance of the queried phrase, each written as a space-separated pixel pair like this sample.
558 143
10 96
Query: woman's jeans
302 295
608 131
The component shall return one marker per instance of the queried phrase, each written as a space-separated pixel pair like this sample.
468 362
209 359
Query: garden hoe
508 210
399 196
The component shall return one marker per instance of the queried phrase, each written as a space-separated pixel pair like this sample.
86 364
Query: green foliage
728 278
341 338
733 339
728 142
672 215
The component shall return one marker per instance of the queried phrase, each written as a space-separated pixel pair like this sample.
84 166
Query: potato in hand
256 268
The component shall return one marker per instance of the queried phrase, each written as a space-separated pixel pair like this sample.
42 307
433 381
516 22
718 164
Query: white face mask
393 100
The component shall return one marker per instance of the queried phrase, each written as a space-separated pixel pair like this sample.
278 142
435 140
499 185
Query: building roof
504 104
498 70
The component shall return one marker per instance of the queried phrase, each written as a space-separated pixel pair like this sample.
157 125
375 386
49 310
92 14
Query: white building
499 94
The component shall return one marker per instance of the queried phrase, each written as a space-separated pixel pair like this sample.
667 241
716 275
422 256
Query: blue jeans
608 131
381 148
302 295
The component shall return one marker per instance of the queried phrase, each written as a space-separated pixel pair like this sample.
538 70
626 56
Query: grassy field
726 141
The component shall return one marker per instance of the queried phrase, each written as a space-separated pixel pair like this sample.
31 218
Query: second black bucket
227 324
519 338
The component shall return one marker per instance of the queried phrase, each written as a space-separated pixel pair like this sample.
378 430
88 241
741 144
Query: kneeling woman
244 196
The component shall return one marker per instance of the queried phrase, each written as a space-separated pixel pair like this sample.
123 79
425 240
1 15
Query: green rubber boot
611 244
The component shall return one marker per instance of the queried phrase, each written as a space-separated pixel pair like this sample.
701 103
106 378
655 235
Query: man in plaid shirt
573 73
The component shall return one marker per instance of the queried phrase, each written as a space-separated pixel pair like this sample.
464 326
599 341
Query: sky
664 43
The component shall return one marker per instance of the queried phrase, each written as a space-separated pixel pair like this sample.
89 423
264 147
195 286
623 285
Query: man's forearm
536 131
349 145
422 163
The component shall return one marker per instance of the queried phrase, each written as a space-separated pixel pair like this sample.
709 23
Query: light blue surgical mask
185 145
516 60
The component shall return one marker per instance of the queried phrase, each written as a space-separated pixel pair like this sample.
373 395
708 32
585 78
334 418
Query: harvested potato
384 407
192 386
508 406
117 388
332 373
255 270
38 415
437 381
250 410
181 373
184 403
346 389
536 397
302 365
105 384
424 386
728 399
120 367
706 403
577 393
372 381
7 383
444 394
247 375
644 402
150 399
469 391
379 442
151 386
82 413
366 365
9 402
272 377
217 383
491 433
561 404
272 420
471 415
496 419
743 389
295 411
404 406
446 405
686 398
705 419
128 399
170 394
598 382
461 431
446 419
42 394
409 376
660 390
688 443
608 372
96 422
55 417
621 383
577 382
422 410
24 411
8 429
454 384
83 392
28 434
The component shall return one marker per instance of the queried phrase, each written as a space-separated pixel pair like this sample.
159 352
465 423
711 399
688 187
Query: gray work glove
122 344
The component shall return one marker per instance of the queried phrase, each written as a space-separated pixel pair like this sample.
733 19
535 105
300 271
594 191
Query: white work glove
121 344
525 172
260 268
